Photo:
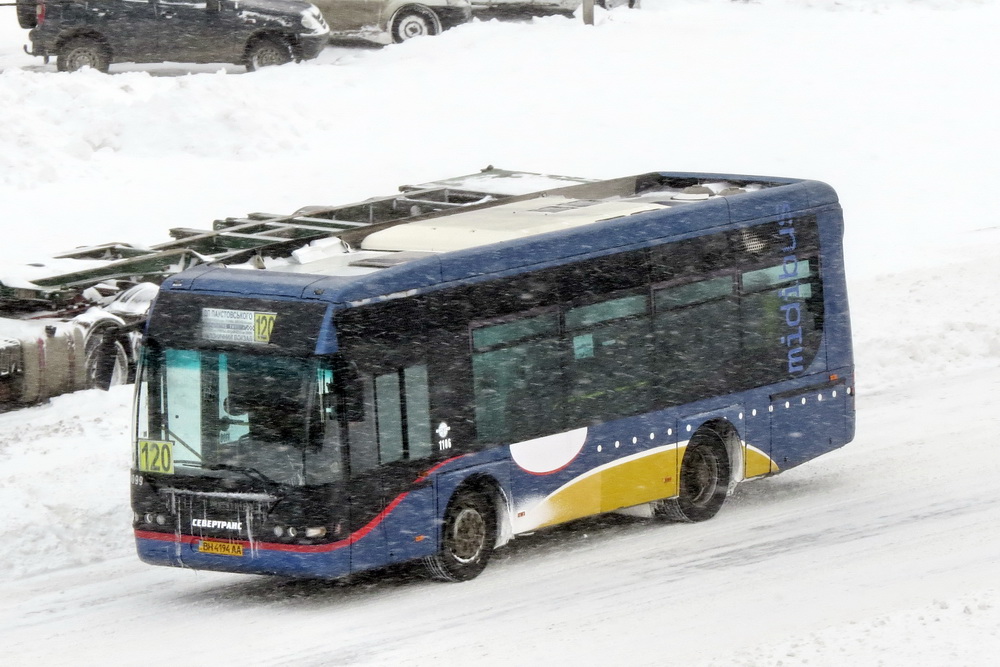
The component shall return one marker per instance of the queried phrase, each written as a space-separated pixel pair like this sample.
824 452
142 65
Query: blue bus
427 388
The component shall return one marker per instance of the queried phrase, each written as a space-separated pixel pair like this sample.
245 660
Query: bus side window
782 317
516 369
395 422
697 338
418 412
389 404
362 435
611 348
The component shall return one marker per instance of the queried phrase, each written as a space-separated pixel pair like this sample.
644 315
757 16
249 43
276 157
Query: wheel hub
82 58
700 478
413 27
468 535
269 57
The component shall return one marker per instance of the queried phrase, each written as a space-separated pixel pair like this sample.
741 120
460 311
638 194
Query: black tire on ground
107 361
83 52
266 52
26 14
704 482
468 536
412 22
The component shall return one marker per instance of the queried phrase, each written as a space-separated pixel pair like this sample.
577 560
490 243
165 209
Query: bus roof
503 223
535 230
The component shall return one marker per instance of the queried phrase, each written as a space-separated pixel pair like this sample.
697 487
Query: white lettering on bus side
792 309
444 442
213 523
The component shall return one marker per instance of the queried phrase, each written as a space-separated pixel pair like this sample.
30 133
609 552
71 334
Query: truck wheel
413 22
83 52
265 52
107 360
467 538
704 482
27 16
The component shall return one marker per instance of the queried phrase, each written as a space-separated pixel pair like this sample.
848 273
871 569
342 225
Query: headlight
313 21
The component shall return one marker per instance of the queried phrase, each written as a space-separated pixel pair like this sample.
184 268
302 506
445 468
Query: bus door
392 501
367 531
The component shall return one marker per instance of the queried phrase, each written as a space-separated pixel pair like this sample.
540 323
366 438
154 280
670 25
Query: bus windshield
229 414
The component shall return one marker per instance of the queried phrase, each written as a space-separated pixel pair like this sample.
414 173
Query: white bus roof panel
502 223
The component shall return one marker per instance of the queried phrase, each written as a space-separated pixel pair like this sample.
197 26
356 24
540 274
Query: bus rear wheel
467 538
704 482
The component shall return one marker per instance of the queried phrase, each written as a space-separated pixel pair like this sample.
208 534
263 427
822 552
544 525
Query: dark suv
253 33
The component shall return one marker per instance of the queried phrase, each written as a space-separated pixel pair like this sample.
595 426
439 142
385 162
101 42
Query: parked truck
80 328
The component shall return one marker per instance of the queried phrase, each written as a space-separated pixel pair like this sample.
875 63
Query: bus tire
468 536
704 482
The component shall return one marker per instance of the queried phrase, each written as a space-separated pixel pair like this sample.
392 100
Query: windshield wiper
171 434
251 473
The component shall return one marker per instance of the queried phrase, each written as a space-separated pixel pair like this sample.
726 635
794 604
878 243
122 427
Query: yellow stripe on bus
757 463
629 481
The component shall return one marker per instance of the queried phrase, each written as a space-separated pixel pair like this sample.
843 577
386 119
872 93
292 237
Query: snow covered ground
885 552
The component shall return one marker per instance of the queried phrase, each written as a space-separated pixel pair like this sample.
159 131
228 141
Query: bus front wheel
467 537
704 482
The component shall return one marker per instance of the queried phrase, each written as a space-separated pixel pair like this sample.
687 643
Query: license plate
220 548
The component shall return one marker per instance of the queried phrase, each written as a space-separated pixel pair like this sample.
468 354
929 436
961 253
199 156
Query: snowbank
64 482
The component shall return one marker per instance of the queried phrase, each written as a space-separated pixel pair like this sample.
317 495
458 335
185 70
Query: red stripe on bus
274 546
430 471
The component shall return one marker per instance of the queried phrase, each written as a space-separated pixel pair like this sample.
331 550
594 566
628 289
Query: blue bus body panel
417 274
798 197
256 283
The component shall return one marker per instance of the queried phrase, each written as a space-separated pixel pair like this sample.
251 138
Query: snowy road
893 522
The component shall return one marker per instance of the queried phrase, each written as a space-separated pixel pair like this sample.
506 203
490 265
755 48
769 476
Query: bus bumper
319 562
